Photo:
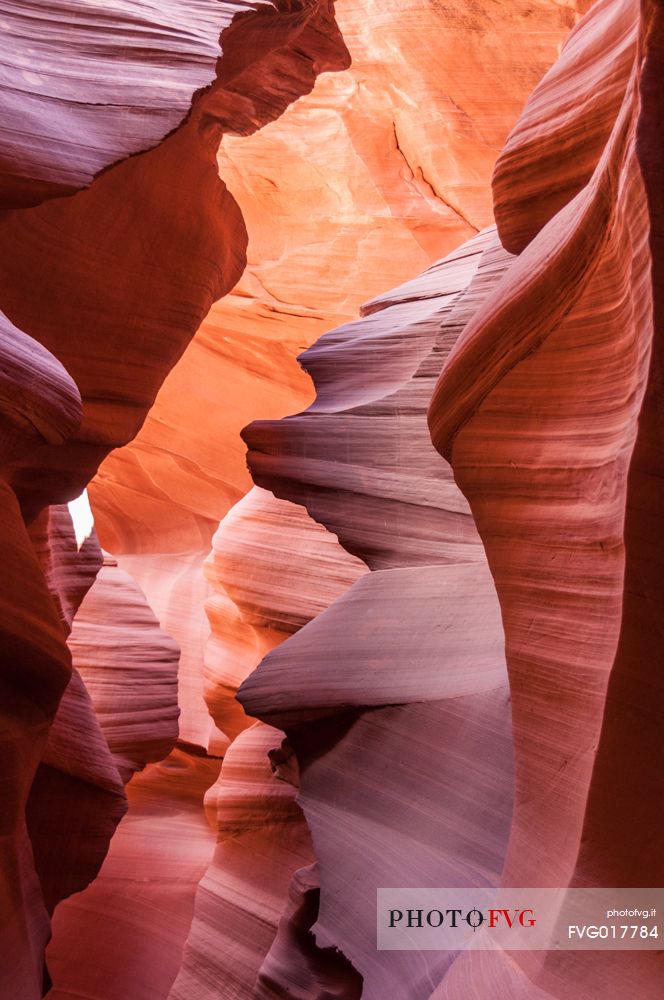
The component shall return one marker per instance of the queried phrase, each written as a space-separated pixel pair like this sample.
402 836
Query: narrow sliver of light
82 518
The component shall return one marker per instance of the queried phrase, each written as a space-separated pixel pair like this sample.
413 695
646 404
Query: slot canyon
332 395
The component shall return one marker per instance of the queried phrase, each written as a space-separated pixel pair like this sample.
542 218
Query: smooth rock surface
130 669
368 687
144 896
272 570
557 445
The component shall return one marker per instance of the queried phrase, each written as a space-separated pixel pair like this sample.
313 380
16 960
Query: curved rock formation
83 91
270 58
548 412
373 176
40 403
561 135
123 936
129 667
572 353
70 563
165 256
121 695
295 965
76 798
272 570
361 461
127 269
464 657
261 840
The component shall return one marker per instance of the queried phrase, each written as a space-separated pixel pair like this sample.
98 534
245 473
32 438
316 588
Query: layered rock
40 403
137 259
127 268
70 563
269 59
373 176
548 408
158 501
84 88
118 711
177 590
547 413
261 840
557 446
76 799
121 693
140 906
272 570
365 718
130 670
563 129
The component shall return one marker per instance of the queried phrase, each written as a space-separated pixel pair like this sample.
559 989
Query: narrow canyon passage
344 317
132 922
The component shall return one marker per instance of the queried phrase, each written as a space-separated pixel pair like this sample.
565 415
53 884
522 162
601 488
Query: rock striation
546 402
272 570
84 88
112 198
261 840
129 667
40 404
140 905
362 718
370 178
169 199
448 631
575 478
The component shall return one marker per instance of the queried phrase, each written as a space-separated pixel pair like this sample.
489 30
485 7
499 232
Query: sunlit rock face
449 634
546 405
133 262
377 173
364 688
168 493
550 413
118 235
129 667
272 570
